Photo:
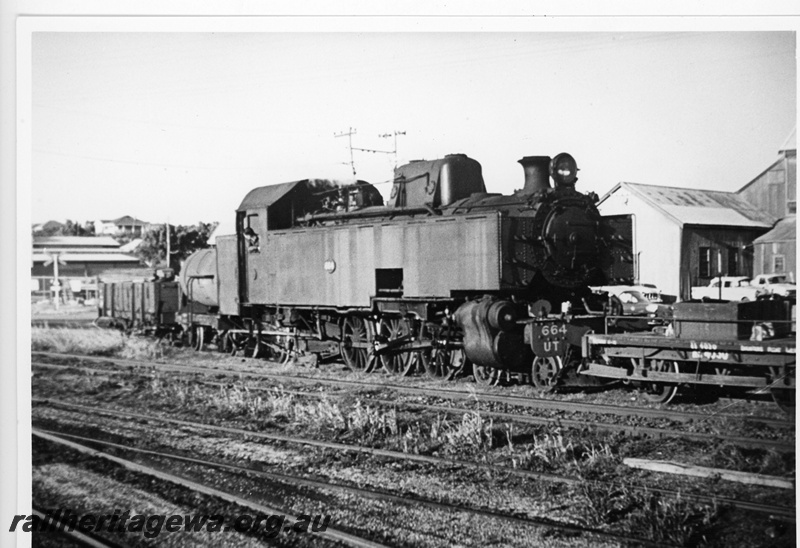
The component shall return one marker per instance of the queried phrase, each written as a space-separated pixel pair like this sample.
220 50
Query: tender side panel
228 275
348 265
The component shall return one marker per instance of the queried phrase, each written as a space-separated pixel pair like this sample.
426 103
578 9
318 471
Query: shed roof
88 258
784 230
74 241
691 206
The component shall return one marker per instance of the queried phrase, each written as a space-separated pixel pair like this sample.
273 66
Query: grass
647 515
101 342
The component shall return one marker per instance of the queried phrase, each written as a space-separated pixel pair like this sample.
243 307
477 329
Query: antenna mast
349 134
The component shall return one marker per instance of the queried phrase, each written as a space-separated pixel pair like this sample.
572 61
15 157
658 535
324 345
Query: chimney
537 173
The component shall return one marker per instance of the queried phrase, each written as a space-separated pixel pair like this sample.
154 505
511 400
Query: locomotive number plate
547 339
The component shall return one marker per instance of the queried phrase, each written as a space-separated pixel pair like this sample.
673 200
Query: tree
69 228
184 240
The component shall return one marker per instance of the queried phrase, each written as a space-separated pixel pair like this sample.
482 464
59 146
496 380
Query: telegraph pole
349 134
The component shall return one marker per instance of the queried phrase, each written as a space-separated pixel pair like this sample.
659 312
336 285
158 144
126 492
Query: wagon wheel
544 371
197 337
784 397
355 330
169 338
396 363
486 376
661 392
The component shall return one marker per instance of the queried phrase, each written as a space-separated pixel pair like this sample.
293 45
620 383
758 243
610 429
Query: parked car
775 284
638 300
733 288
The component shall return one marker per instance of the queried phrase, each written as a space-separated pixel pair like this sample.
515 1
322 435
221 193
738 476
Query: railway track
785 513
775 445
335 487
444 393
330 533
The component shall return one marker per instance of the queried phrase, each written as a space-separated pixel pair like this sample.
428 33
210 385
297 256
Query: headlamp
564 169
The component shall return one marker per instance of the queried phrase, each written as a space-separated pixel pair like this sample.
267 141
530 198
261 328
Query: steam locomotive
445 278
442 277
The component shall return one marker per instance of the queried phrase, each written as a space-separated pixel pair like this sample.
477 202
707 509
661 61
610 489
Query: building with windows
677 238
682 237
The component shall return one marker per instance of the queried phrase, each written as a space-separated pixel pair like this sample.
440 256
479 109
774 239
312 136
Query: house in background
126 224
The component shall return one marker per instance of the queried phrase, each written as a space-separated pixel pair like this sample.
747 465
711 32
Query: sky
179 126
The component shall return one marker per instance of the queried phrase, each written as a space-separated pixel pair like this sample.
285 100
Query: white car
733 288
775 284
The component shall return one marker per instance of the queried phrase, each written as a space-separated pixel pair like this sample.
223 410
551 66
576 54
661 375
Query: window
251 233
706 265
791 206
778 263
733 261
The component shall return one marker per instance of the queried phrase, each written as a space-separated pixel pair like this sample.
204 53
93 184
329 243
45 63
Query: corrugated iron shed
56 242
690 206
88 257
784 231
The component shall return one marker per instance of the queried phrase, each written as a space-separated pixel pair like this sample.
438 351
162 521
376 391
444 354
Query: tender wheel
661 392
355 332
544 371
487 376
281 349
236 343
399 363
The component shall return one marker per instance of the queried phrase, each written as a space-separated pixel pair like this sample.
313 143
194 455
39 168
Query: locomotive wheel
445 363
399 363
544 371
355 330
486 376
661 392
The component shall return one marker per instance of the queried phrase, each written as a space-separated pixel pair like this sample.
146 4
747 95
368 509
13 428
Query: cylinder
199 277
502 315
537 173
